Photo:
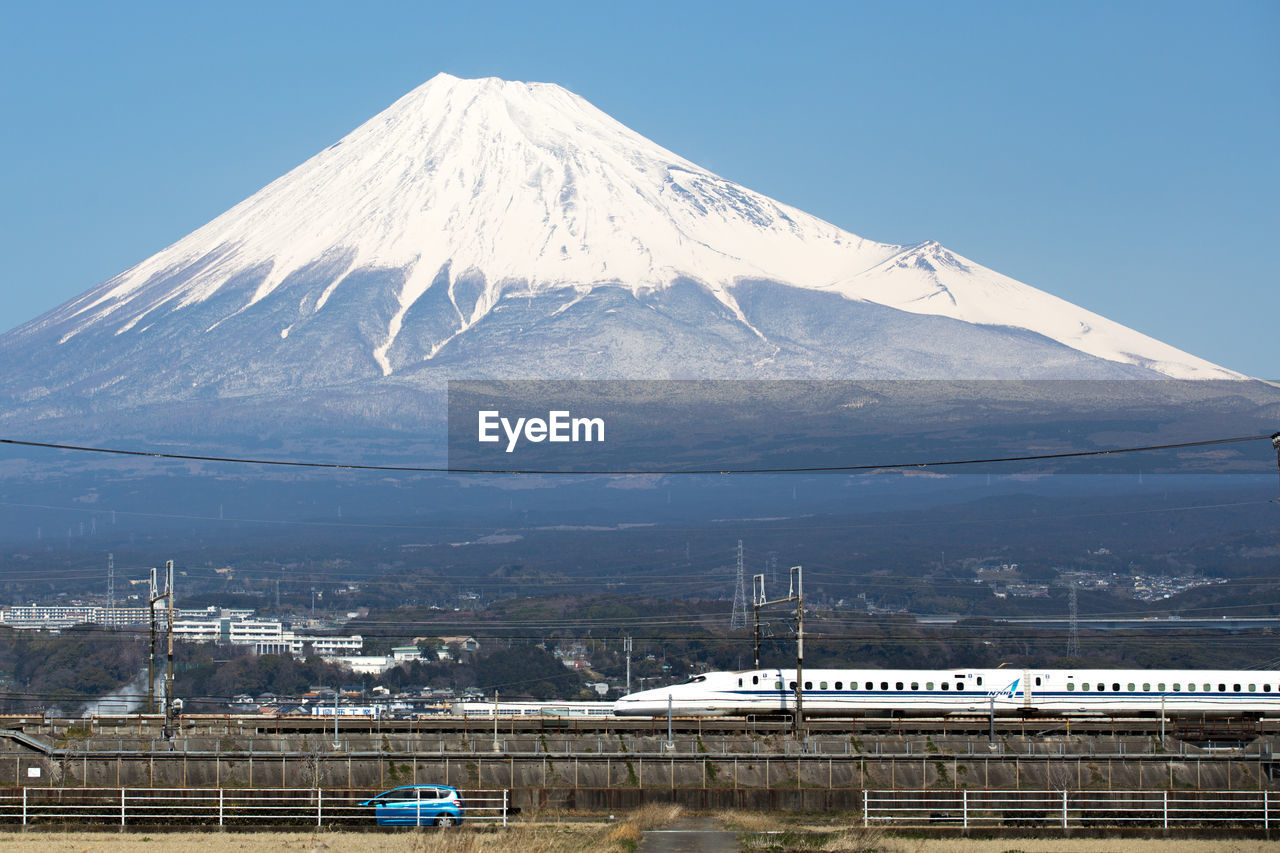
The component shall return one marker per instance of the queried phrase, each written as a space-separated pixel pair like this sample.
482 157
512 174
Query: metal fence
1163 809
961 809
218 806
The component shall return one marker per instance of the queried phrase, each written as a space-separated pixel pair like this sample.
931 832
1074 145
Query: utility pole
336 743
111 582
757 597
152 597
168 681
795 593
496 747
798 576
1073 612
626 647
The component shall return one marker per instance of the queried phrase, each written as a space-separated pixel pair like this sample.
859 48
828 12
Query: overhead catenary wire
809 469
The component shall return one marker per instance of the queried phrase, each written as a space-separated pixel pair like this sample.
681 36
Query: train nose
640 705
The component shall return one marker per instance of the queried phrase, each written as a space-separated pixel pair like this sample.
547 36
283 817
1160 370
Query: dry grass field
547 836
567 839
1071 845
552 839
795 834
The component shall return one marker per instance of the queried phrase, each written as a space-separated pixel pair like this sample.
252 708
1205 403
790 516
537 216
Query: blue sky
1122 156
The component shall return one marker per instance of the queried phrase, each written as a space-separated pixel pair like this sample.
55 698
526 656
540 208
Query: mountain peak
525 184
468 192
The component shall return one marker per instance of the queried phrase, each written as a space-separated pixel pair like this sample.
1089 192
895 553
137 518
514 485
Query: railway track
1197 728
1192 729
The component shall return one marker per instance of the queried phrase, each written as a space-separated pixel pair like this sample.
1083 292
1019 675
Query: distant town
1004 580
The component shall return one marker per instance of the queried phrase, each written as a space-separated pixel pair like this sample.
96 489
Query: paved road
690 835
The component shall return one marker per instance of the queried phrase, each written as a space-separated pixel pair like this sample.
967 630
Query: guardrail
218 806
1066 809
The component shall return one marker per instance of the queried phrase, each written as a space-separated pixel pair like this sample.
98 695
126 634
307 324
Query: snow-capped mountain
490 228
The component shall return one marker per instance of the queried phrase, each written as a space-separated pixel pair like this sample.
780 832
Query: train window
777 685
915 685
1236 687
1115 688
884 685
793 686
1222 688
822 685
1252 688
1131 686
1266 688
1084 685
899 687
1208 687
755 679
1070 686
839 685
1146 687
959 685
808 685
1037 681
979 680
946 685
1177 687
1160 687
928 685
739 682
870 686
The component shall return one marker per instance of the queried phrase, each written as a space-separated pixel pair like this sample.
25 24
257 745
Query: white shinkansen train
851 692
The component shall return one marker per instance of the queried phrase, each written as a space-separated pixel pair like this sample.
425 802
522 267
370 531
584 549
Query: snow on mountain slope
521 182
929 279
464 192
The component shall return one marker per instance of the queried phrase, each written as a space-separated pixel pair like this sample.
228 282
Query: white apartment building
266 636
198 630
234 627
53 616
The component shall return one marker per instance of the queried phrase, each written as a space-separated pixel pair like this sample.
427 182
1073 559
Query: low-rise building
236 627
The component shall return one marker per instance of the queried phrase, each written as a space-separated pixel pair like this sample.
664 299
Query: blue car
418 805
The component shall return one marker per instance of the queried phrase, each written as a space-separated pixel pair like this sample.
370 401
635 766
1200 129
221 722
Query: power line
426 469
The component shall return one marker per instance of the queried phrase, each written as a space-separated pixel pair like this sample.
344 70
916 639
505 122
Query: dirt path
690 835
